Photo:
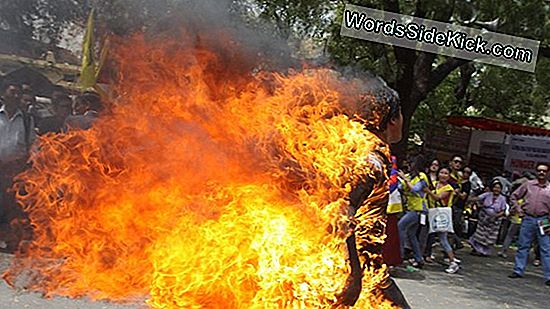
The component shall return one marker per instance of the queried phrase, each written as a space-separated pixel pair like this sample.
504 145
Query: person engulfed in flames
381 111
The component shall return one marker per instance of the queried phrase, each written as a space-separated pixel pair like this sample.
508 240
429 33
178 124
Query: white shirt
12 136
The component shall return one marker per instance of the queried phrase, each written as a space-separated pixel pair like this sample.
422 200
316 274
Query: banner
525 152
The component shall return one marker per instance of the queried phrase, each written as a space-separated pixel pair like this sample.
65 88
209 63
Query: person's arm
517 195
353 286
438 197
480 198
419 187
501 207
405 181
368 202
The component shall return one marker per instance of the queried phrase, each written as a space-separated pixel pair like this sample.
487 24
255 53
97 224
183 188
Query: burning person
369 199
224 188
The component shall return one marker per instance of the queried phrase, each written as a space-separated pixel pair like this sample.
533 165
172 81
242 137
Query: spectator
62 105
441 197
86 109
16 137
16 128
490 214
506 185
426 240
536 211
459 204
415 183
456 175
28 101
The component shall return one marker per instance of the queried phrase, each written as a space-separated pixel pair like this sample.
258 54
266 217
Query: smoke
227 27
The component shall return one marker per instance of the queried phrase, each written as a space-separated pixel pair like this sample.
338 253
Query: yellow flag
88 74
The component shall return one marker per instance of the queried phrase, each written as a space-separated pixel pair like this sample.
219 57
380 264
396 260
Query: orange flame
204 187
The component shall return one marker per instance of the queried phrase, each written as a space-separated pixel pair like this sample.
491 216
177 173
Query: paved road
482 283
12 299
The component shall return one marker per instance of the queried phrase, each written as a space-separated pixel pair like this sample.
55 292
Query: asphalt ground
482 282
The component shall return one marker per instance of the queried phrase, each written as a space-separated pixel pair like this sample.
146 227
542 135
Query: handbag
441 220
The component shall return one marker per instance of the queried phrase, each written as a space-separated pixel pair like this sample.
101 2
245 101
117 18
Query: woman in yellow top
414 185
442 196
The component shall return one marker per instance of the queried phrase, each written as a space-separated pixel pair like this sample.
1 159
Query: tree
38 19
417 75
432 84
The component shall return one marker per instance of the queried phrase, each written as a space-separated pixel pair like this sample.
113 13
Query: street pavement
481 283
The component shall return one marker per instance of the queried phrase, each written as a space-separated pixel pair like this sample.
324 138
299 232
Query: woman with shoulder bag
442 196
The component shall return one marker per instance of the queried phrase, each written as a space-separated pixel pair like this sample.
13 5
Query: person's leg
392 292
412 227
526 236
444 240
423 237
457 227
453 262
512 231
536 249
544 246
429 243
405 227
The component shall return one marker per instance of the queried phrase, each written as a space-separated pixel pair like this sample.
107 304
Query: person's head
542 171
62 103
466 173
443 174
496 187
26 89
27 100
456 163
390 127
418 165
434 166
91 100
11 93
373 102
405 166
80 106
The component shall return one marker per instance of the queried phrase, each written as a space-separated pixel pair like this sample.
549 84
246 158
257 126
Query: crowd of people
514 208
23 117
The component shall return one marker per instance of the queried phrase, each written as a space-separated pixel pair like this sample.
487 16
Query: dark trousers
14 222
458 226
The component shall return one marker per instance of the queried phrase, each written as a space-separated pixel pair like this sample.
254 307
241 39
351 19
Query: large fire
203 187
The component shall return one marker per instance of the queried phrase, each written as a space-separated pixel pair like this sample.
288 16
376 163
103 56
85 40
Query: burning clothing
369 201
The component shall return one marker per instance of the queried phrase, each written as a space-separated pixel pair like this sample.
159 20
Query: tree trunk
407 109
